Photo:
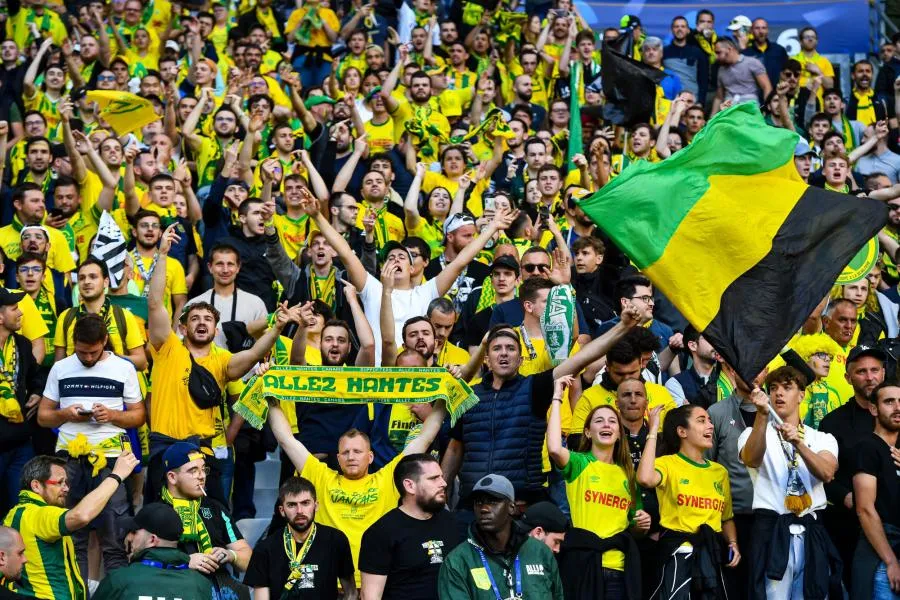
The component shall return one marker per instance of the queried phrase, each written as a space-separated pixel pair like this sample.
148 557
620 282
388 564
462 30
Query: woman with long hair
600 486
699 535
425 217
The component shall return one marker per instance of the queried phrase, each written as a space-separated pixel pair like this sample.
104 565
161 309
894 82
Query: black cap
158 518
8 298
394 245
860 351
505 262
547 516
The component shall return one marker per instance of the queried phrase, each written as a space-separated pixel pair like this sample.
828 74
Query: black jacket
30 380
769 554
595 303
256 275
581 564
849 424
706 567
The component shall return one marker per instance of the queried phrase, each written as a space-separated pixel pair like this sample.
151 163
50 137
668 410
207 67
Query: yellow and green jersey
692 494
52 569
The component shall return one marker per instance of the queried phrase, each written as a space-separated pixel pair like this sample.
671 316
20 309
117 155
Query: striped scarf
194 529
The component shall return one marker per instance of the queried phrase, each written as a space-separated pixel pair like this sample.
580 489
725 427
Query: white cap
172 45
739 22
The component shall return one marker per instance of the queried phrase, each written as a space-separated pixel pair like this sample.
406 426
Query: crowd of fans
393 184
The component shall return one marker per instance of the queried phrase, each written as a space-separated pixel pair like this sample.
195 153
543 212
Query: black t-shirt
328 560
474 276
409 552
873 457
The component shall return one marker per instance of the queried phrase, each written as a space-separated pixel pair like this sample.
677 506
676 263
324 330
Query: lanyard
158 565
490 575
529 347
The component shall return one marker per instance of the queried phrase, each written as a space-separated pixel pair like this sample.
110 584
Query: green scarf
10 409
353 385
850 141
558 323
311 22
194 529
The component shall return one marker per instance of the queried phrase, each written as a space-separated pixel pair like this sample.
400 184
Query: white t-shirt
406 304
770 479
250 307
111 382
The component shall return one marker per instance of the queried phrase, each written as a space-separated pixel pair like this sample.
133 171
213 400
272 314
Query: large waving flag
109 246
728 231
576 138
629 87
125 112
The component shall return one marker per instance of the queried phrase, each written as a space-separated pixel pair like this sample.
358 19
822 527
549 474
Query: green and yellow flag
728 231
125 112
576 138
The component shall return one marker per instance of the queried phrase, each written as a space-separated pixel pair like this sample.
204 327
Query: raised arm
281 429
672 119
502 219
387 88
647 475
309 121
430 430
132 202
366 355
32 70
598 347
342 179
558 452
240 363
159 325
386 315
411 203
93 504
754 450
355 268
189 127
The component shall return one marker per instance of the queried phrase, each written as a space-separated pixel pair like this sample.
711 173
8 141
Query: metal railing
881 27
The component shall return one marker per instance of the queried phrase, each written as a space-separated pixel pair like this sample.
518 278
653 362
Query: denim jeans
881 588
11 463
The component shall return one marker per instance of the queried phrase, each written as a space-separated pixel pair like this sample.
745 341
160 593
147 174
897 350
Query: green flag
576 143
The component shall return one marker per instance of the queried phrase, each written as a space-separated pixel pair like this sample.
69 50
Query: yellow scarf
9 372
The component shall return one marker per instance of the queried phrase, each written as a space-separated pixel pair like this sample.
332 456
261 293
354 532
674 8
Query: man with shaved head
12 559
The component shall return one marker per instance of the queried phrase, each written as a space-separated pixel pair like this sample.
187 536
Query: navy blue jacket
773 59
504 433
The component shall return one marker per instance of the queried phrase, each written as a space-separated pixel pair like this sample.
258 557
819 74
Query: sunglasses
535 268
106 78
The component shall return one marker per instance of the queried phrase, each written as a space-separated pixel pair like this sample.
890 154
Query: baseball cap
457 220
505 262
8 298
547 516
158 518
629 21
179 454
861 351
172 45
496 486
739 22
236 181
803 148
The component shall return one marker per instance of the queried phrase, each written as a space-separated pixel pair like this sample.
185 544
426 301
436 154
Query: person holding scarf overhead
209 536
790 463
314 28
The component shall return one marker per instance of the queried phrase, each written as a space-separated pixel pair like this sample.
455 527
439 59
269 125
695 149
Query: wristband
556 400
652 436
269 223
116 477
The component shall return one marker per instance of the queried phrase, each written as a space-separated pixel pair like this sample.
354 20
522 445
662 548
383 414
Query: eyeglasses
195 471
644 299
894 206
59 482
106 78
150 226
36 269
533 268
790 75
823 356
413 255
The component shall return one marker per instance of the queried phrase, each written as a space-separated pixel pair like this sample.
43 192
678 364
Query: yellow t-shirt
52 569
428 144
837 373
352 505
388 226
58 257
692 494
453 103
474 203
597 394
174 412
33 324
600 500
134 336
175 279
820 61
451 354
317 36
292 233
432 233
381 136
47 107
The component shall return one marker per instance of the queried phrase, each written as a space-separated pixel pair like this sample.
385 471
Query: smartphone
544 212
55 213
84 412
880 110
489 203
124 442
730 554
